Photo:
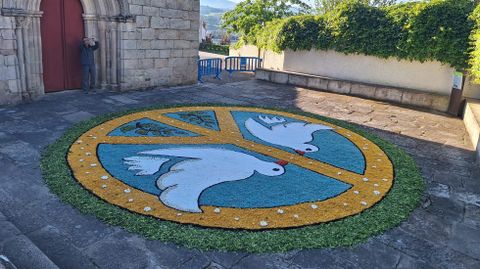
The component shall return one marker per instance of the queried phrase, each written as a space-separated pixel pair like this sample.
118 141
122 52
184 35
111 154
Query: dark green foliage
475 42
250 16
434 30
324 6
360 28
200 118
313 32
402 199
151 128
214 48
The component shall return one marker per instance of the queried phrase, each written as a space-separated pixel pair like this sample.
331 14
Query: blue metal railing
209 67
242 64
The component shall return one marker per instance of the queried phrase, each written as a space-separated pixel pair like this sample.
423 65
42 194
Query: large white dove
204 167
294 135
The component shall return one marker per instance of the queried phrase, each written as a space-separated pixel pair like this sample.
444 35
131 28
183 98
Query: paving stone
466 239
449 179
373 254
59 249
436 229
263 262
124 100
121 251
169 255
23 183
25 255
224 258
18 126
213 265
7 231
437 256
407 262
3 136
78 116
320 259
39 140
5 263
197 261
82 230
439 190
22 152
24 219
446 208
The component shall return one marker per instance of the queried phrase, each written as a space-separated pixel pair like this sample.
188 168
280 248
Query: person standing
87 60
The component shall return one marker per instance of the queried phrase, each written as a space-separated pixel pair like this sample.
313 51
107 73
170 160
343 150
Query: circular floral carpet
234 178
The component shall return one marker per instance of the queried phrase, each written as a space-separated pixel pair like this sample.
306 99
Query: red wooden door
62 34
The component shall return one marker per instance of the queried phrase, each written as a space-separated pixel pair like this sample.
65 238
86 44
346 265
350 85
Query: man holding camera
87 59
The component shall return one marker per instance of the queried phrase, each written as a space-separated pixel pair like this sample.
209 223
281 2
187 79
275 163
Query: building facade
143 43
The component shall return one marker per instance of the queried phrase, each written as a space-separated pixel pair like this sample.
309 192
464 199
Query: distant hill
212 11
220 4
207 10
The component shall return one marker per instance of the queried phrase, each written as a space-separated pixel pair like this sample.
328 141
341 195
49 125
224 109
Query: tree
251 15
324 6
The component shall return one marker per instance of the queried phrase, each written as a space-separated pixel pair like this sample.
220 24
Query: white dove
184 183
294 135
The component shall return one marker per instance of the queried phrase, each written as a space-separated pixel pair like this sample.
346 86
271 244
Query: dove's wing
298 131
258 130
189 152
146 165
316 127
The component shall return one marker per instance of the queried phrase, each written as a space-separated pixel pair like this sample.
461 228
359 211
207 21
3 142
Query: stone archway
101 18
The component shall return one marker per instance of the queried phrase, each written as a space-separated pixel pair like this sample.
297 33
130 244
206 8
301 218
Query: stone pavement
444 233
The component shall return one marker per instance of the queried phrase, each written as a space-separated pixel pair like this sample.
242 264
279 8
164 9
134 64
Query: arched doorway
62 30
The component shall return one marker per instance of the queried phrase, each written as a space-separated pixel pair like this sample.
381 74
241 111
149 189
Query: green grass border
402 199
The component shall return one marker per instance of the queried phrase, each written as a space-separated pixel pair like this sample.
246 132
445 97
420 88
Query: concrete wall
472 123
431 77
376 92
271 60
144 43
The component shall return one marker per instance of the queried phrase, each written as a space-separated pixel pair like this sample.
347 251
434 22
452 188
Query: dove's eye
276 169
308 149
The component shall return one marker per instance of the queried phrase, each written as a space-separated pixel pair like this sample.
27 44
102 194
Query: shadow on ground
443 233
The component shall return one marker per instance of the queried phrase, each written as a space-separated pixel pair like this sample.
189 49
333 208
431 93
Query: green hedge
475 53
434 30
214 48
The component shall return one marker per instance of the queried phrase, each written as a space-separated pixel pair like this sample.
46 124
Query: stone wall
161 46
9 89
144 43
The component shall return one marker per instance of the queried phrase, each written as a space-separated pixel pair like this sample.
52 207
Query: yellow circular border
367 189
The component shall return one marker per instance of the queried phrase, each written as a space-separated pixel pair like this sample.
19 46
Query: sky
311 1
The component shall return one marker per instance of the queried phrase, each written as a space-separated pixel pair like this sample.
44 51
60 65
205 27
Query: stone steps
472 123
18 252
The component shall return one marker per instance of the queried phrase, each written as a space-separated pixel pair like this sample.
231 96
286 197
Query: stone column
113 51
22 23
103 53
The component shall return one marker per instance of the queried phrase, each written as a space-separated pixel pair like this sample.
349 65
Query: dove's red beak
301 153
282 163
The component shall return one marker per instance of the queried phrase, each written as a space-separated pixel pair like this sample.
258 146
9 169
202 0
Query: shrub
214 48
435 30
475 51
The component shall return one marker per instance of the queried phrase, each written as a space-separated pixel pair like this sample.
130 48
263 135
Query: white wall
431 76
